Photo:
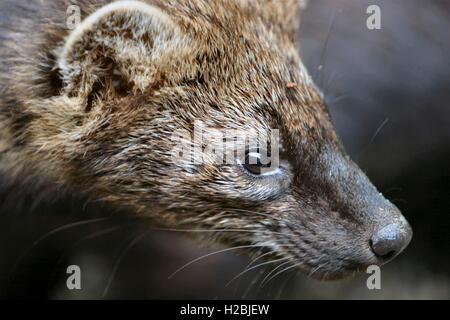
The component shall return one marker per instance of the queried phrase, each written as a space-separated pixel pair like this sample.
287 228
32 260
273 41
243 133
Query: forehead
248 75
296 110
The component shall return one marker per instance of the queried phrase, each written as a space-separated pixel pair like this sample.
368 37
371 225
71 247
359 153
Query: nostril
390 240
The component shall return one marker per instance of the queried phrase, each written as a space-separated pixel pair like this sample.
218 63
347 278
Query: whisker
119 260
323 53
66 227
259 257
372 139
254 267
316 269
211 254
247 268
324 276
49 234
335 99
253 283
89 237
282 287
272 271
378 131
284 270
218 230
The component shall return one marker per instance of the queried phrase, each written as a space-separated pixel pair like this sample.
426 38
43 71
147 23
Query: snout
389 240
366 228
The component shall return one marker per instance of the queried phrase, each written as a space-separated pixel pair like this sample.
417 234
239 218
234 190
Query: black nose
389 241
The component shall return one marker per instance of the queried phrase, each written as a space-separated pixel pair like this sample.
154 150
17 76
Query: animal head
133 73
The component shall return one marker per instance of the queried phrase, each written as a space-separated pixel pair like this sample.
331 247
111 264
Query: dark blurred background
389 94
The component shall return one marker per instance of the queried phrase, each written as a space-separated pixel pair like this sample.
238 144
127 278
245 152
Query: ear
285 14
117 49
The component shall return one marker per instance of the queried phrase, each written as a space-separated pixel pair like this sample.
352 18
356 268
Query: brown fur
95 112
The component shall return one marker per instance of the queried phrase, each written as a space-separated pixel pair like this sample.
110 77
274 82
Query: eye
257 163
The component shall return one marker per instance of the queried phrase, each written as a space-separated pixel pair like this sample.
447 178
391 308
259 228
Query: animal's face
135 75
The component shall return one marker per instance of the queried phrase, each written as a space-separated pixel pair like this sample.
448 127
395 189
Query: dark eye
256 163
